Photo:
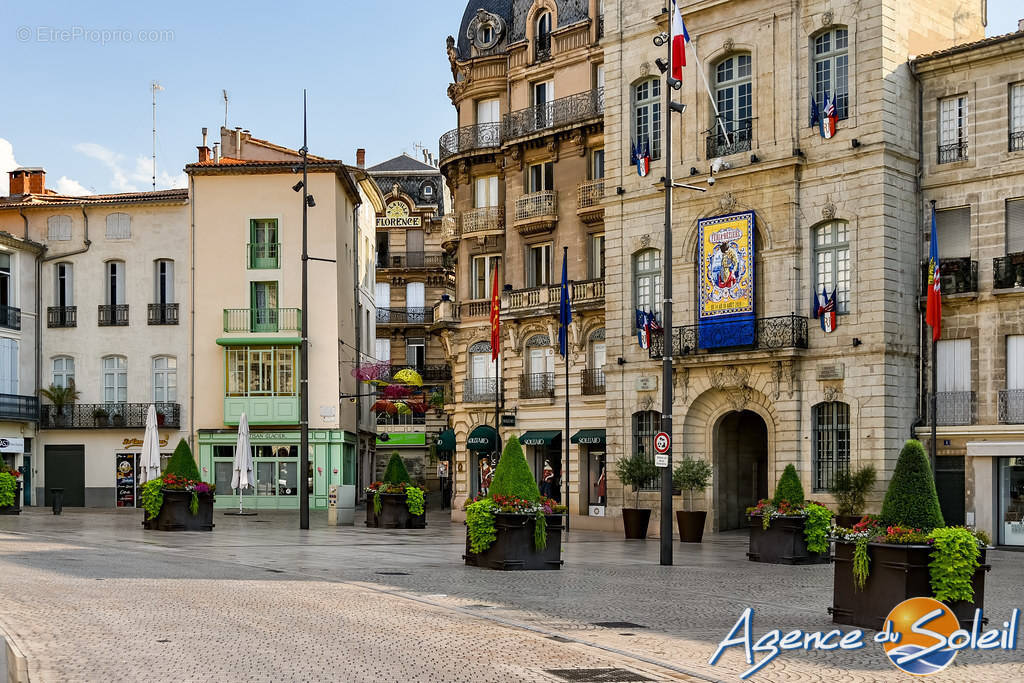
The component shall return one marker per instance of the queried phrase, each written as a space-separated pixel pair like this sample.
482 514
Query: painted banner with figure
726 281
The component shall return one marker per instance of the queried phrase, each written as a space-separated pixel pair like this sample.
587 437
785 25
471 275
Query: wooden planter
898 572
782 542
16 508
513 548
394 513
175 515
635 522
691 525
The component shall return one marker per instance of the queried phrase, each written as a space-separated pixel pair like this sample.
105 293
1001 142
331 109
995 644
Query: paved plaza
90 596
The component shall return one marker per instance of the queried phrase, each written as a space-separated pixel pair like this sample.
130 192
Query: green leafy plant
8 489
100 413
182 464
789 487
437 399
377 506
636 471
396 473
414 500
480 522
861 563
540 530
691 475
911 500
954 561
193 504
512 476
816 528
153 497
851 489
60 396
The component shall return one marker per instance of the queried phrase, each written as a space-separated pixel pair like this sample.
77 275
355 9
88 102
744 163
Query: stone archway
741 466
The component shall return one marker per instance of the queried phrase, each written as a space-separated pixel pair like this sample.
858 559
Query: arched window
831 65
119 226
542 41
734 96
647 281
165 379
831 424
832 262
58 228
115 379
646 423
63 371
483 382
593 376
540 367
647 117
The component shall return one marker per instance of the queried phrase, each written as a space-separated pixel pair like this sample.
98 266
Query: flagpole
703 77
495 295
568 512
665 541
933 450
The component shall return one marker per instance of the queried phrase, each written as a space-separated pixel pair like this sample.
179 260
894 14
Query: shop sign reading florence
397 216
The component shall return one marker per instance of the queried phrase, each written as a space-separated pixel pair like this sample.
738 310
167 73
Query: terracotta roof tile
42 200
966 47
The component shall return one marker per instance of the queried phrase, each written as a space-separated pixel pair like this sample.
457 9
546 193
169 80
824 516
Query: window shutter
1014 226
954 229
1015 361
953 365
8 366
69 285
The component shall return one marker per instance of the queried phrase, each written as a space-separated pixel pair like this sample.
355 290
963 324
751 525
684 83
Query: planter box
175 515
898 572
691 525
635 522
16 508
513 548
782 542
394 513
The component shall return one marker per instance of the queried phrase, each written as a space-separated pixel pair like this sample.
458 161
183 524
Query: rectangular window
1011 501
64 288
483 276
595 257
481 366
115 283
261 370
538 265
953 227
488 111
647 117
382 349
597 164
8 366
953 365
263 306
63 371
1017 117
486 194
831 423
952 129
832 262
831 71
541 177
115 379
645 425
165 380
1014 226
415 351
6 286
58 228
164 284
1015 362
264 243
415 302
543 94
119 226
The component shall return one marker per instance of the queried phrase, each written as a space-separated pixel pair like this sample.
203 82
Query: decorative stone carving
516 154
727 202
828 212
476 30
645 69
791 368
827 18
577 139
730 376
453 54
739 398
552 148
645 402
684 383
776 379
729 45
464 171
645 241
447 343
514 334
831 393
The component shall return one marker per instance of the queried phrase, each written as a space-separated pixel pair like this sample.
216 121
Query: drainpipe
192 315
919 227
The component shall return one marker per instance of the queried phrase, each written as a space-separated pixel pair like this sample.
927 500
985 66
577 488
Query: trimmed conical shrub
911 500
396 473
789 487
512 476
182 464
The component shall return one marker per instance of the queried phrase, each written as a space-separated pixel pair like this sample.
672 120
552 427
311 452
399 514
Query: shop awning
445 440
539 437
483 438
589 437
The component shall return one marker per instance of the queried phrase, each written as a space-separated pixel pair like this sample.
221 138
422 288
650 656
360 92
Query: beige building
842 213
972 131
525 167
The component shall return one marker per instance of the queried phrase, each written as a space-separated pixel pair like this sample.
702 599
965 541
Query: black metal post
497 374
666 354
304 349
933 407
565 473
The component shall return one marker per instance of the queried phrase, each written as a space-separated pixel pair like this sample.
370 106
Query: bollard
57 500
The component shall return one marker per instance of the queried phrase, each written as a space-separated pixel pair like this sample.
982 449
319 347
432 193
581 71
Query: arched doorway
741 476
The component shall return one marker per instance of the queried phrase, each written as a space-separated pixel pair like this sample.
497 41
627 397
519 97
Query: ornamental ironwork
956 151
770 334
736 139
107 415
1011 407
559 112
469 138
954 408
959 276
1008 271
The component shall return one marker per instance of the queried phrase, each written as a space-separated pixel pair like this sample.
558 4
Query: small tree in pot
60 397
691 475
850 490
636 471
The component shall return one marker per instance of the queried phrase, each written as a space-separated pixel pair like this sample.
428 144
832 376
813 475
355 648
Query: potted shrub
60 397
787 529
635 471
101 417
691 475
395 502
850 490
178 500
513 527
437 402
907 552
161 417
10 490
117 419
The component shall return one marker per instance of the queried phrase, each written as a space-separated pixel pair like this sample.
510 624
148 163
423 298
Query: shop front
593 462
410 446
444 446
998 501
544 454
482 451
16 453
1010 520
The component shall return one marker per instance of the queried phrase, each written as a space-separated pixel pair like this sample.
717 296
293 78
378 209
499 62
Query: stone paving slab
258 599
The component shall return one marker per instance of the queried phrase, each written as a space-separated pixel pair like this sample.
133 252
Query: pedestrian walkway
91 596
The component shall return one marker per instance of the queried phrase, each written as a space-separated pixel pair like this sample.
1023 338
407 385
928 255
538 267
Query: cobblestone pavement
91 596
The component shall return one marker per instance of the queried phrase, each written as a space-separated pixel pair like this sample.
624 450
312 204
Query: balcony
262 410
1008 271
537 385
600 28
62 316
163 314
737 139
959 276
485 390
262 320
264 255
554 114
475 309
956 151
10 317
542 48
405 316
17 407
413 259
536 212
770 334
113 315
489 220
1016 143
469 138
1011 407
409 419
588 201
593 382
108 416
440 372
446 312
954 408
586 294
450 232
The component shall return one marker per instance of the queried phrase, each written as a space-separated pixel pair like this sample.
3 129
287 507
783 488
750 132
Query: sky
77 98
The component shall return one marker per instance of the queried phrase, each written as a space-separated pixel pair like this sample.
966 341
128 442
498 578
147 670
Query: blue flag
815 114
564 310
632 153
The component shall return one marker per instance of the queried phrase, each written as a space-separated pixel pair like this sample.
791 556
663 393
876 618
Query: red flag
495 316
679 39
933 315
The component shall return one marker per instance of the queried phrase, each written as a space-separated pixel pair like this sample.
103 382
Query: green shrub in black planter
911 500
788 529
182 464
789 488
850 489
178 500
395 502
636 471
689 476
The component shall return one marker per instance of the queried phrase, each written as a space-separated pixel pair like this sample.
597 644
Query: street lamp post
304 348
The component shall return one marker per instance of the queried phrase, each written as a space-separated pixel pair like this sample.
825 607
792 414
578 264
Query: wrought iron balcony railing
537 385
113 315
486 220
537 205
438 372
469 138
736 139
600 26
484 390
262 319
405 316
10 317
959 276
542 47
1011 407
107 415
1016 143
62 316
953 408
770 334
1008 271
560 112
956 151
589 193
18 407
264 255
163 314
593 382
413 259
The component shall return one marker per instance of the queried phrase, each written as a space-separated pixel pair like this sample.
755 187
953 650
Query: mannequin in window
602 488
547 481
486 474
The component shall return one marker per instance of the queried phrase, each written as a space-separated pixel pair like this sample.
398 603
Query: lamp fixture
309 201
661 64
297 186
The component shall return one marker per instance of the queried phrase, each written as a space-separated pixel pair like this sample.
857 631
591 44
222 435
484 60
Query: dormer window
428 190
486 34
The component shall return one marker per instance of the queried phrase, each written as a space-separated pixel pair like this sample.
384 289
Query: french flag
679 40
830 118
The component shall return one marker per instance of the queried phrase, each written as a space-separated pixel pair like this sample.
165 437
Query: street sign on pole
661 459
662 442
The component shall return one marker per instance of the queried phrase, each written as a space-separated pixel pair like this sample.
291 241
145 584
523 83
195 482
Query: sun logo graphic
919 636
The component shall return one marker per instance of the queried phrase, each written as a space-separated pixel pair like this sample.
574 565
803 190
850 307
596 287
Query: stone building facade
972 108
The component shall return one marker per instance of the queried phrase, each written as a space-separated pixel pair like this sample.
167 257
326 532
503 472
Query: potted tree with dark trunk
636 471
907 552
850 490
395 502
60 397
178 500
787 529
691 475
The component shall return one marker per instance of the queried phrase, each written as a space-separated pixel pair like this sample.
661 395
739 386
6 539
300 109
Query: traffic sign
662 442
661 459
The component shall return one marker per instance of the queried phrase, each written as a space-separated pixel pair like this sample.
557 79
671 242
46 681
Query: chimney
216 152
27 181
204 151
1020 24
238 142
36 180
204 137
361 157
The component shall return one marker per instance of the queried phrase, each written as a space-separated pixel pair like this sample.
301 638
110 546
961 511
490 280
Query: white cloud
71 187
7 162
125 178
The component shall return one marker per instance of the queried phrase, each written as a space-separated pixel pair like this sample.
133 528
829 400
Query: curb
13 662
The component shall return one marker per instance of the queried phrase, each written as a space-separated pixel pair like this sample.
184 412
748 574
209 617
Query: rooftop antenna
225 92
155 87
